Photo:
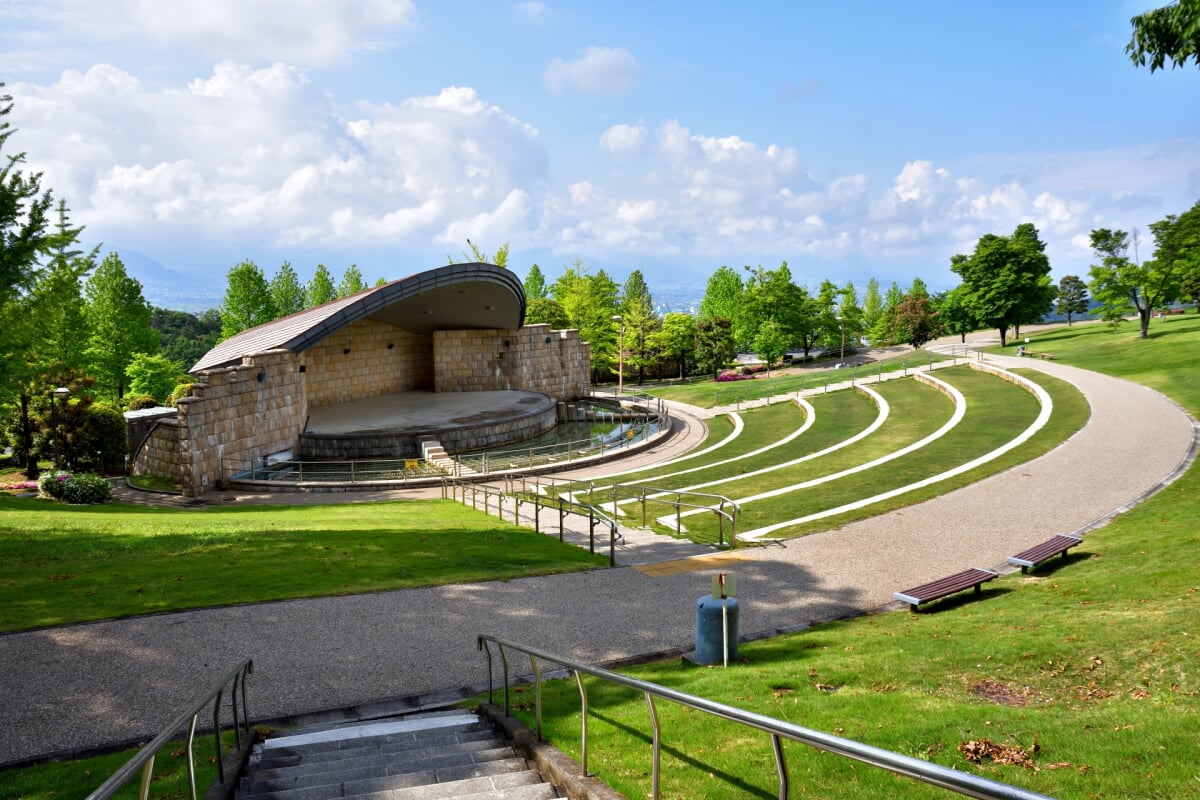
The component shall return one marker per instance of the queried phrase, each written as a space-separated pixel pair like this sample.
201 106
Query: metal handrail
962 783
144 758
450 488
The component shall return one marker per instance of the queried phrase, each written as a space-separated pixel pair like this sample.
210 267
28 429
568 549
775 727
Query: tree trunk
1144 319
1003 335
25 453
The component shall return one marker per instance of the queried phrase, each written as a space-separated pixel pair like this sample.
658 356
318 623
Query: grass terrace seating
1054 546
944 587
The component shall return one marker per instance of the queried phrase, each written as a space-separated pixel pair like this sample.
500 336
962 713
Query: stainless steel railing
962 783
235 680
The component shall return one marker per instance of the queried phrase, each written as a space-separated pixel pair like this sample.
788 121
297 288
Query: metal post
537 697
583 728
191 757
780 765
654 762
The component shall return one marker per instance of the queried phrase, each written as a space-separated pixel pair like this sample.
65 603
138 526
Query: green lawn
66 564
1088 665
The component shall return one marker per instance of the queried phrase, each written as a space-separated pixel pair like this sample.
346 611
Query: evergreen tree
872 307
590 302
535 284
1072 297
119 321
287 292
637 313
351 282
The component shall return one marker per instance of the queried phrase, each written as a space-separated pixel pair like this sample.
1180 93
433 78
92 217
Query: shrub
732 375
51 484
102 440
86 489
181 391
139 401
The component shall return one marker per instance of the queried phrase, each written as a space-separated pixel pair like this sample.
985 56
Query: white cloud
601 70
262 156
533 10
262 31
623 139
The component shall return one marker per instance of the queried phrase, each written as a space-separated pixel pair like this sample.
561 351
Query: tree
770 343
1072 296
1122 284
287 292
153 375
184 337
500 259
769 295
119 319
722 295
320 290
1006 280
23 219
715 345
1170 33
637 314
535 284
675 341
351 282
248 300
917 320
547 310
590 302
955 313
57 311
884 329
872 306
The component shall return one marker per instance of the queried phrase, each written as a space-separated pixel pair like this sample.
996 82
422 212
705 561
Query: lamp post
62 393
620 353
842 322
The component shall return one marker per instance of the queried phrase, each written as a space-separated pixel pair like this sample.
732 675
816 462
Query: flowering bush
752 369
732 375
19 486
82 489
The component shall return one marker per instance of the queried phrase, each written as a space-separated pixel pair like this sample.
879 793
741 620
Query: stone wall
159 452
382 359
242 414
532 359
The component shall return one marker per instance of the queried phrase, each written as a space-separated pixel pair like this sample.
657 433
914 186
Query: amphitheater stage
391 426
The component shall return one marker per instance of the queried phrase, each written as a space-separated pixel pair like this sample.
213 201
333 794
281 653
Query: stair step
388 763
378 779
374 729
414 748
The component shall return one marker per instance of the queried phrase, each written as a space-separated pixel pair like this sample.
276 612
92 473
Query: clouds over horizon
263 154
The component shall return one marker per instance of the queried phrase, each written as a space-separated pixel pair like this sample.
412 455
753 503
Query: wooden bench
943 587
1054 546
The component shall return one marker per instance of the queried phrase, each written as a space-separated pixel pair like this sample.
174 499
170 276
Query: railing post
591 529
217 735
560 518
583 728
780 765
147 774
504 660
537 697
655 745
643 508
191 757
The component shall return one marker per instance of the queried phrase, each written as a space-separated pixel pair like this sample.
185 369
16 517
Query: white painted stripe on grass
1047 406
738 426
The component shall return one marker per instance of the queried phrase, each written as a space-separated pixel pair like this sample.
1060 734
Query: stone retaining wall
366 359
159 453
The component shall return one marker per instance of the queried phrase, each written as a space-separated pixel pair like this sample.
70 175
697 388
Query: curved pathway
88 685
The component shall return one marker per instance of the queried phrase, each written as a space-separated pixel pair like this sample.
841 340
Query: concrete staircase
433 452
445 756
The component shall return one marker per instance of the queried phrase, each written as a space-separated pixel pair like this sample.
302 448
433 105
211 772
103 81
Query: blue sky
861 140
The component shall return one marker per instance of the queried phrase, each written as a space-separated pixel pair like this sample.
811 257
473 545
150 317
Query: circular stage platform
393 425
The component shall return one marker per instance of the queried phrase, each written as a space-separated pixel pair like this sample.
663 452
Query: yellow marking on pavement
715 561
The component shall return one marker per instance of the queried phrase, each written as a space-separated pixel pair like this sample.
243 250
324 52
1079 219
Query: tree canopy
1006 280
1167 34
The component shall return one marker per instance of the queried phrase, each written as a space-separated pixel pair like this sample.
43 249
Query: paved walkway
87 685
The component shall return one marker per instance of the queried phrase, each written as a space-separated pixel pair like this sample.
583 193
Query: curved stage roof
454 297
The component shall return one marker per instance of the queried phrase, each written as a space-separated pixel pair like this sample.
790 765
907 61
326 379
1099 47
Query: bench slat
943 587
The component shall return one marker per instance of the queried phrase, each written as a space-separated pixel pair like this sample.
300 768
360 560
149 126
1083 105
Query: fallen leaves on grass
979 750
1002 694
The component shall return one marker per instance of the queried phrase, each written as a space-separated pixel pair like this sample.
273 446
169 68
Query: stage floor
422 411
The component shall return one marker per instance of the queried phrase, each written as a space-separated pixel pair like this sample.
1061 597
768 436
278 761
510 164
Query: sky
851 140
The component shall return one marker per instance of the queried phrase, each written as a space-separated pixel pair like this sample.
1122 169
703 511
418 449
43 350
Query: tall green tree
248 300
154 375
715 345
546 310
956 313
535 284
320 289
590 302
119 322
24 216
637 313
287 292
1007 279
184 337
872 306
57 311
883 332
769 295
675 341
352 281
770 343
1167 34
722 296
1072 297
477 255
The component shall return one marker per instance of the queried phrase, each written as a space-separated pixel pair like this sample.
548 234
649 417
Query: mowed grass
1089 664
65 564
710 393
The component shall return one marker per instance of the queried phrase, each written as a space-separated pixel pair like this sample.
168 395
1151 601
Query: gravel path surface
89 685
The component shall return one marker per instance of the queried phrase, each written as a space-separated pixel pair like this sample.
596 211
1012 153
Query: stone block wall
532 359
159 452
241 413
383 359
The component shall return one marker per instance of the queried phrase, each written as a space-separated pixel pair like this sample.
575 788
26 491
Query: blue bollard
710 647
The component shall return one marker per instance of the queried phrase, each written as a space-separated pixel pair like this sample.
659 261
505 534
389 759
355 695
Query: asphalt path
76 687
